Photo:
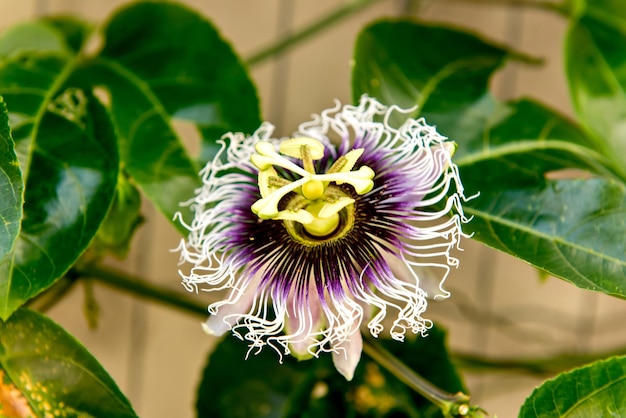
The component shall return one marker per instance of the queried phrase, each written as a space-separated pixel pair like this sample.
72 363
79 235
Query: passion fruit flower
341 226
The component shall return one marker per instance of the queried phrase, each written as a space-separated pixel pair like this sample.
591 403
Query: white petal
423 276
229 312
347 354
303 323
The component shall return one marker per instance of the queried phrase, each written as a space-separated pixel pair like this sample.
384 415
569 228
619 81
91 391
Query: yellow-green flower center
318 203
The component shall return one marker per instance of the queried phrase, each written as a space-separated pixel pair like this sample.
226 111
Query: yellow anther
264 180
361 179
293 147
346 162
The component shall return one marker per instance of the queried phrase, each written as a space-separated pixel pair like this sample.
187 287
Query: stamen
317 210
292 147
346 162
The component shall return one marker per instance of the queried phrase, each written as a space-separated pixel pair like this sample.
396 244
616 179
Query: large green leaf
182 61
441 70
520 144
506 151
68 153
48 373
11 194
161 62
596 390
595 63
573 229
313 388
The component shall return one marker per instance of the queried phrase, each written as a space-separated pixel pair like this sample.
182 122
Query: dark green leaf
313 388
53 373
11 197
595 63
161 62
505 152
520 144
182 61
596 390
443 71
123 218
68 153
573 229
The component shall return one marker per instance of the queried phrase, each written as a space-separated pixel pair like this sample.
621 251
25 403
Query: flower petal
347 353
228 312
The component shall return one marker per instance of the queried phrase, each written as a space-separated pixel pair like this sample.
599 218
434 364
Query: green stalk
291 40
142 288
452 405
561 8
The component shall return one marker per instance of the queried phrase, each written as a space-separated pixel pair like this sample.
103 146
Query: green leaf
52 373
67 150
520 144
160 62
30 37
313 388
441 70
183 61
574 229
11 195
596 390
123 218
595 64
506 151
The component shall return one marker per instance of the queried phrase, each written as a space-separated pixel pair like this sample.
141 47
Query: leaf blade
594 65
571 228
591 391
54 372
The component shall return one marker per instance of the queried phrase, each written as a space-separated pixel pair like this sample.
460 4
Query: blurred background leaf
163 62
313 388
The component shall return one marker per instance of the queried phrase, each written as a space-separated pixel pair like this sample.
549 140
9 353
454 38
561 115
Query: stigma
317 198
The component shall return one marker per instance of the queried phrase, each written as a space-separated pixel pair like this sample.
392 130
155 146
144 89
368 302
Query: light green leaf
52 374
520 144
596 390
573 229
595 64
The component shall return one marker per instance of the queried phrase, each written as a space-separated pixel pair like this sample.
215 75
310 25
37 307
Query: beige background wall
498 306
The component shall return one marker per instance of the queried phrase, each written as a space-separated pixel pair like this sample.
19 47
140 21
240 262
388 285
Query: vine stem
450 404
306 32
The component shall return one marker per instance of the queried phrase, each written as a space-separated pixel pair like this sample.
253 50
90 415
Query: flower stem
289 41
141 288
452 405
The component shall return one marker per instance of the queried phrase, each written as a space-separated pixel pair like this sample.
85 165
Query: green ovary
320 227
